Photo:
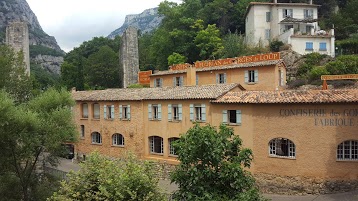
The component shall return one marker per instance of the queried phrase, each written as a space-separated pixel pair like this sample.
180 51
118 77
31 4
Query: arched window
156 144
96 138
171 147
282 147
118 139
348 150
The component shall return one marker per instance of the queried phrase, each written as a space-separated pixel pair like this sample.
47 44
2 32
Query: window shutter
159 111
191 112
217 78
120 112
282 78
246 76
256 75
150 111
169 112
197 80
112 111
203 112
105 111
181 80
174 83
180 111
129 112
161 82
224 116
238 116
224 77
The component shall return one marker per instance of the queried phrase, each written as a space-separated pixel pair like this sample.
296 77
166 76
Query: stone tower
17 37
129 57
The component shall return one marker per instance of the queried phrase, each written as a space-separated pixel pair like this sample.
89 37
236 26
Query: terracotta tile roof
165 93
232 66
288 96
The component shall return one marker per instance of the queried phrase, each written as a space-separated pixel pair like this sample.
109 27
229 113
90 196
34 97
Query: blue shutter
161 82
197 80
150 111
322 46
224 116
203 112
120 111
129 112
105 111
174 82
217 78
180 111
191 112
256 75
169 112
159 111
224 77
246 76
309 45
112 111
181 81
238 116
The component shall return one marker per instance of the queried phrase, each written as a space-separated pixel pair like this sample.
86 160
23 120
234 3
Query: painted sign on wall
143 77
179 66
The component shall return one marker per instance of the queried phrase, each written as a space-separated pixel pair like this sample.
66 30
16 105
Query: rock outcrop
145 22
19 10
49 63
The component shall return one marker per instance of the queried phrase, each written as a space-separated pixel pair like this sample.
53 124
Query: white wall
299 45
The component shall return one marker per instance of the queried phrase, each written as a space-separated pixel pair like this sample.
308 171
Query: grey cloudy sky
72 22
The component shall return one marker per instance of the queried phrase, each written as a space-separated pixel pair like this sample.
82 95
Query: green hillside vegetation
39 49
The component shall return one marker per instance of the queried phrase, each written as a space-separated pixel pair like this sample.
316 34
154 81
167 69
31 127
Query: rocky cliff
145 22
19 10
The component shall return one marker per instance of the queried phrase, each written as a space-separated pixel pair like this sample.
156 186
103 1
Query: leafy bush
296 83
137 86
345 64
316 72
349 46
276 45
341 83
176 58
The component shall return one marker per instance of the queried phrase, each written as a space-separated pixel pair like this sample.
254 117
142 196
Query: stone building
302 141
17 36
129 58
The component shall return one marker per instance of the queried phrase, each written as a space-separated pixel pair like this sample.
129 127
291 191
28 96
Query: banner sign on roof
339 77
259 57
143 77
179 66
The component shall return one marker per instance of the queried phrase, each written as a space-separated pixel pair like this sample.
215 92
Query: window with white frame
158 82
155 145
197 112
232 117
308 13
108 111
309 46
171 147
282 147
96 138
84 110
124 112
287 13
154 111
348 150
251 76
178 81
323 46
117 139
82 131
221 78
175 112
96 111
268 16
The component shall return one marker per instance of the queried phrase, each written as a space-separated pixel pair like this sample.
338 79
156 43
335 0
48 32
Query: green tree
102 69
345 64
233 45
176 58
31 135
212 166
103 179
12 75
208 41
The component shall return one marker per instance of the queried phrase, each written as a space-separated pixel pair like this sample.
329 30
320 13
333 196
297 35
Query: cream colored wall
299 45
316 145
132 130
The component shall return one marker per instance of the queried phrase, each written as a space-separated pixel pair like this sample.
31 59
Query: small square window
251 76
108 111
221 78
322 46
158 82
178 81
287 13
309 46
198 113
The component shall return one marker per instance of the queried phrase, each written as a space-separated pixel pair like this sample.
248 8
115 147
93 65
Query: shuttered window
231 117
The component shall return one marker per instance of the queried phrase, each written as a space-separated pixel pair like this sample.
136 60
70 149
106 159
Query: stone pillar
129 57
17 37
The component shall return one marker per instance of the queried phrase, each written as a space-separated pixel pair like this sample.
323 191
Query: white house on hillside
292 23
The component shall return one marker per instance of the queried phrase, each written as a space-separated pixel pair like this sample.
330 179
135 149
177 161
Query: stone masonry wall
129 57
